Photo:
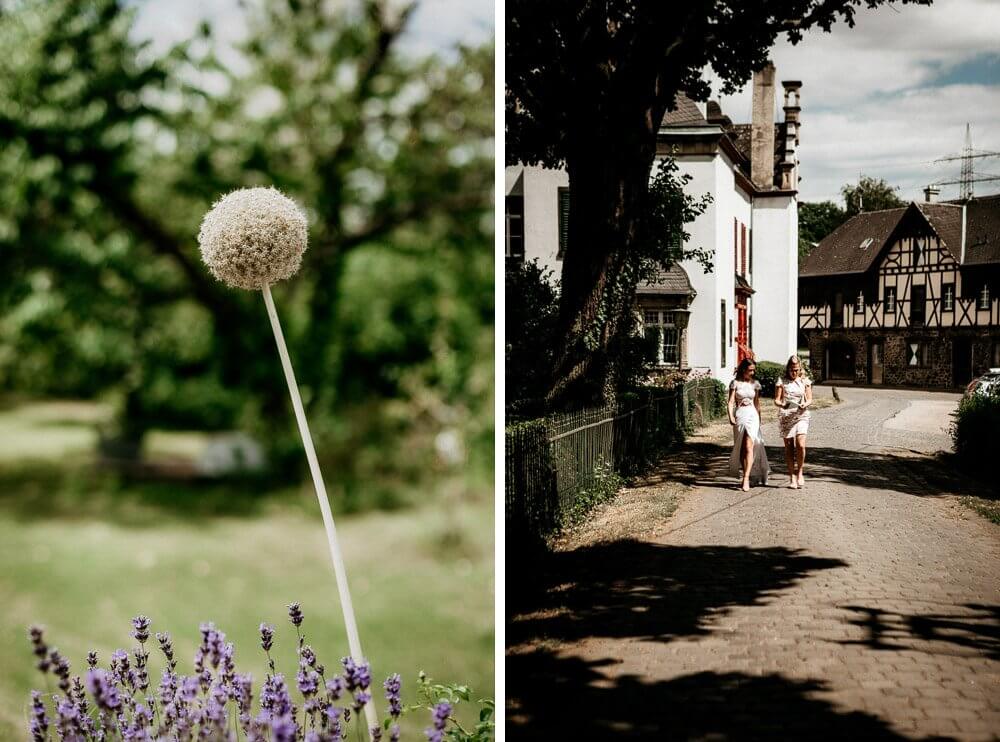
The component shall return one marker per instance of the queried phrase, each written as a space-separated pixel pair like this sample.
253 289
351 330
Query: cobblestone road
865 605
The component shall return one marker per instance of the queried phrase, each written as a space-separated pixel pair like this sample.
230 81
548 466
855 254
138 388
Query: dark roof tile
851 247
686 113
982 230
673 282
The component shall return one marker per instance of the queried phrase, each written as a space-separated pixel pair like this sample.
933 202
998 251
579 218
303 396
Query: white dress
748 421
792 420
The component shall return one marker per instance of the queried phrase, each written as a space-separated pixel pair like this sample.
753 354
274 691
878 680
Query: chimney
762 129
930 192
789 160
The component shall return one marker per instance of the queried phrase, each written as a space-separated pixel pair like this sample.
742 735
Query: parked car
983 384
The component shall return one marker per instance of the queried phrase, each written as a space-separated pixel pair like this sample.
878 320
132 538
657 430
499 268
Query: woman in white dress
793 395
748 459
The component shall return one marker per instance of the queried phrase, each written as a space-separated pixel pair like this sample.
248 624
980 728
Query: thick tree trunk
608 183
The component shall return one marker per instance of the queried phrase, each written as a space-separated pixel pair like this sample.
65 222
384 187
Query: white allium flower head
252 237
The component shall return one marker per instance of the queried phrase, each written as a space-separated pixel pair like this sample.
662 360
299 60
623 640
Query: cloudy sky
435 26
894 93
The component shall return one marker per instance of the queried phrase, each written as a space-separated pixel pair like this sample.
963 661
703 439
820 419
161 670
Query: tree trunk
608 183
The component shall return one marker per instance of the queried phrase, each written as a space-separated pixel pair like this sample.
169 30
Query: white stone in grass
253 237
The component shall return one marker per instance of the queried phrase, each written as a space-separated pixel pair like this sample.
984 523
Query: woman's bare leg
800 450
747 450
790 461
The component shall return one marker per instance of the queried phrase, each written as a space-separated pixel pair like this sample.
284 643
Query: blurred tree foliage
111 152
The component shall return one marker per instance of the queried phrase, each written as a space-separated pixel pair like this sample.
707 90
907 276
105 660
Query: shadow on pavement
554 698
971 630
703 464
644 590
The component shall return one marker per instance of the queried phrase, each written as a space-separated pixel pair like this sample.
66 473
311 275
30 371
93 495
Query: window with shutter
563 222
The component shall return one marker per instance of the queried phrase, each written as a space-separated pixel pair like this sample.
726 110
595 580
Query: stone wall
935 373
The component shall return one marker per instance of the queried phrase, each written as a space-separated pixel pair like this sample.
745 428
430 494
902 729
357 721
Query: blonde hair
788 368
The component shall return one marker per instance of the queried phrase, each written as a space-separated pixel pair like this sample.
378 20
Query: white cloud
869 104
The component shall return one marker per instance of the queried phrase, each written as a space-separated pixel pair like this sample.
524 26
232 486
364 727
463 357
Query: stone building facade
906 297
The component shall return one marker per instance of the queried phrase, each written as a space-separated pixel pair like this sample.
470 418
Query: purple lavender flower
60 667
69 723
439 717
91 660
274 696
295 614
243 692
307 681
360 699
284 728
188 689
308 656
394 733
141 626
356 674
440 714
333 722
266 637
103 690
167 647
334 688
39 724
376 733
393 685
41 650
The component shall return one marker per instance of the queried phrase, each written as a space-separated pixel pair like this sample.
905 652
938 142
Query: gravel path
865 605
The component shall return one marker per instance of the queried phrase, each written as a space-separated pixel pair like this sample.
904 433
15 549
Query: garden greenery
974 430
120 702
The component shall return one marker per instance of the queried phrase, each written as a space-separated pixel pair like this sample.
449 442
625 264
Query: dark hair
744 365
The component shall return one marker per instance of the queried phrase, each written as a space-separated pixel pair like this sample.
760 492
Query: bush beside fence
554 464
974 431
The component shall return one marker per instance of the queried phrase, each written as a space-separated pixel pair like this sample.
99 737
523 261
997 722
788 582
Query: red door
742 351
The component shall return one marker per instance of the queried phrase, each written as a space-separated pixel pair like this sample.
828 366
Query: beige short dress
792 420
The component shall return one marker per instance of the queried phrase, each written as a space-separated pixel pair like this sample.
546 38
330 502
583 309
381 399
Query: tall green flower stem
354 642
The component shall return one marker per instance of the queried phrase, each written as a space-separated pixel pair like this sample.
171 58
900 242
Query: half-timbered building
906 296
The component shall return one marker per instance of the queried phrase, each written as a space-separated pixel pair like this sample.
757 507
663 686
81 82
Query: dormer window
984 297
859 304
890 299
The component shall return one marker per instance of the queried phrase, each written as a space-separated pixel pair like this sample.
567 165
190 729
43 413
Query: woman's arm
730 403
809 396
756 402
779 394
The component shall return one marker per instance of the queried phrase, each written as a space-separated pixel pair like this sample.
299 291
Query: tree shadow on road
645 590
972 629
704 464
555 698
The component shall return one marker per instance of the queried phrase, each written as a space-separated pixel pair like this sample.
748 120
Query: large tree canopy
587 84
110 154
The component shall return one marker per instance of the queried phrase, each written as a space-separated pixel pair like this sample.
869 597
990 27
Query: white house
748 303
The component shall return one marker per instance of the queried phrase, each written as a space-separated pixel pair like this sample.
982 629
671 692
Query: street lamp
681 317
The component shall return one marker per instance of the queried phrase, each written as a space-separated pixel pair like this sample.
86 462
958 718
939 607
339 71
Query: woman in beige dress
793 395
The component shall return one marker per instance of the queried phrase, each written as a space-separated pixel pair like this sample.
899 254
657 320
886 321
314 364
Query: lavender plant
215 702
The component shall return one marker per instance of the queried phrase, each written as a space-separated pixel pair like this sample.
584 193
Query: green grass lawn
83 552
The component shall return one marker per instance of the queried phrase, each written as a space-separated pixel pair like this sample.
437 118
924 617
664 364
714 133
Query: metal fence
550 461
